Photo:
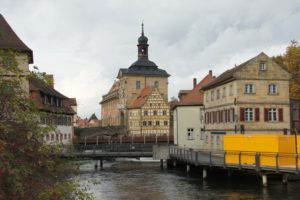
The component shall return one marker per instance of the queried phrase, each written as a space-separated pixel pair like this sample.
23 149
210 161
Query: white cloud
84 43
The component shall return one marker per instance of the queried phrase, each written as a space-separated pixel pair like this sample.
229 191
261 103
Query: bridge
262 163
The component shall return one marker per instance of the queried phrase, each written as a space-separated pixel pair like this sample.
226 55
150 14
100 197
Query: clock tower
142 46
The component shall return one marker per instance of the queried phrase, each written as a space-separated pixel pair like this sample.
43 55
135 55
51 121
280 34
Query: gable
251 70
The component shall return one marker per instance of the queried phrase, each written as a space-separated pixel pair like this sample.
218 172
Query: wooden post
161 163
101 163
264 180
284 178
204 173
188 168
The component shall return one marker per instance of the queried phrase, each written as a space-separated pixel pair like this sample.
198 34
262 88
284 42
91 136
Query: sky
85 43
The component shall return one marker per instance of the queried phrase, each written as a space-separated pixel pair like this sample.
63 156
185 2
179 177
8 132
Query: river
144 180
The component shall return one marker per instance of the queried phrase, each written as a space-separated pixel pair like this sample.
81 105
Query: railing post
144 139
240 160
210 159
257 161
196 159
297 167
97 140
277 167
132 139
155 138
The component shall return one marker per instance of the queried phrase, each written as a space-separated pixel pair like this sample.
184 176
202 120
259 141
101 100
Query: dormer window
156 84
262 66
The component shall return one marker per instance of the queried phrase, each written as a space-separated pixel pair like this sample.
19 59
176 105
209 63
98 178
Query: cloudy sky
84 42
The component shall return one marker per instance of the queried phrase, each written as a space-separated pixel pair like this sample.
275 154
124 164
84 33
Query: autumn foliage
290 61
28 167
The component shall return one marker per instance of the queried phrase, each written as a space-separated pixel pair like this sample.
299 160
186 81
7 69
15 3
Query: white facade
189 127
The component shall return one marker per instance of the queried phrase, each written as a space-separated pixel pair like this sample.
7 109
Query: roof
73 101
38 85
195 96
93 117
144 66
228 75
10 40
142 98
113 93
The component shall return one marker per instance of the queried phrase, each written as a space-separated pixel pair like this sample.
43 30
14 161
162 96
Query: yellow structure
245 148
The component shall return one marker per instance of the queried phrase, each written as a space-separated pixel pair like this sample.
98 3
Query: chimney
194 82
50 80
210 72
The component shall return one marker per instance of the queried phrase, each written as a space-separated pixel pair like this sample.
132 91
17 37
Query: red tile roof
195 96
10 40
142 98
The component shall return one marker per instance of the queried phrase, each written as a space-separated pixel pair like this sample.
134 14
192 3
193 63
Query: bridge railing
104 139
114 147
271 161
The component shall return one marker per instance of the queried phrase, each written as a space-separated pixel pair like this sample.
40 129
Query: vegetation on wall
28 167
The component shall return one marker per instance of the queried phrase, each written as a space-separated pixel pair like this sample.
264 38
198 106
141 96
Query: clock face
143 50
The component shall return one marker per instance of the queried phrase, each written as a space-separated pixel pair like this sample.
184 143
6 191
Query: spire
143 45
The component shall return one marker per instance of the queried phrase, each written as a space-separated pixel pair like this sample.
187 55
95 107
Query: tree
28 169
291 62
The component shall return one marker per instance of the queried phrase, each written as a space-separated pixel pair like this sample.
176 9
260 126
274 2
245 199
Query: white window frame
272 88
249 88
230 90
218 94
273 115
212 95
262 66
138 85
190 133
224 92
249 115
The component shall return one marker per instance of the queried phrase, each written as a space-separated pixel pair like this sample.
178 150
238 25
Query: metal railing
259 161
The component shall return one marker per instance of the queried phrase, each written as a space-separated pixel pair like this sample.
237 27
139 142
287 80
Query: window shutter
257 114
225 120
280 114
242 114
266 110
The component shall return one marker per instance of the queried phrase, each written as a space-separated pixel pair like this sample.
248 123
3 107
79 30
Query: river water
144 180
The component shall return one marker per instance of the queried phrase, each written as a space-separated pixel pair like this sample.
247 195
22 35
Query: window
207 96
145 113
149 123
224 92
144 123
230 90
156 84
138 84
211 139
218 140
249 114
218 94
164 112
190 133
262 66
272 114
201 135
47 137
157 123
155 112
212 95
166 123
249 88
272 89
